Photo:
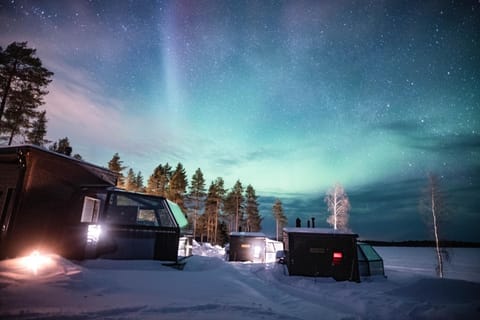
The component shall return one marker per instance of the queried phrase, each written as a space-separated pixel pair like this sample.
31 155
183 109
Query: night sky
289 96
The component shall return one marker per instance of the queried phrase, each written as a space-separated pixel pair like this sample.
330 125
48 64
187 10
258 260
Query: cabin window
134 209
270 247
147 217
91 208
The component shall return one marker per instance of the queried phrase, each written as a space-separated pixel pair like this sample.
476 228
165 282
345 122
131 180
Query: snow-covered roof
248 234
319 231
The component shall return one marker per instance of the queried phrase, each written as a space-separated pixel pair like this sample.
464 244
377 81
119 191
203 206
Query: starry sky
289 96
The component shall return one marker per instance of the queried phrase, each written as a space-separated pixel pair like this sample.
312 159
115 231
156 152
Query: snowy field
210 288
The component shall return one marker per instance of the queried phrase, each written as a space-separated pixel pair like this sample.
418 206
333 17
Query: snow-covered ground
210 288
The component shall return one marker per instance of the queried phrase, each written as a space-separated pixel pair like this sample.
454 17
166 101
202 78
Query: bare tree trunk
435 229
276 228
335 209
208 227
6 90
215 228
217 212
194 223
236 216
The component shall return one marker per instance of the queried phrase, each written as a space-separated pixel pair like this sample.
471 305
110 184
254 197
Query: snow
210 288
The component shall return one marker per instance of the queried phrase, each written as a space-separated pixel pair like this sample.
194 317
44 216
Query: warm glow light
35 261
256 251
93 233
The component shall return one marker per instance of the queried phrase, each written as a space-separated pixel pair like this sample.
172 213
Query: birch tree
433 207
338 205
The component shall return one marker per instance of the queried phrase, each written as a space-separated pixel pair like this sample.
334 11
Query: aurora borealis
289 96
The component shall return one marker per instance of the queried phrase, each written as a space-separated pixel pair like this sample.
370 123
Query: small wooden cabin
58 204
321 253
252 246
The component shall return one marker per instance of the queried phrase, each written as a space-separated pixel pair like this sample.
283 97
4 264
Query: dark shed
321 252
247 246
56 203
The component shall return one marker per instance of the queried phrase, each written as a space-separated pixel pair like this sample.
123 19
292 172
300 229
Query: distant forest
423 243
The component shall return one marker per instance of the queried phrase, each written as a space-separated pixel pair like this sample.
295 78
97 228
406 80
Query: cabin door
8 184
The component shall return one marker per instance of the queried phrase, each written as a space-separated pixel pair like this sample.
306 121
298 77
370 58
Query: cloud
417 136
451 143
389 210
400 127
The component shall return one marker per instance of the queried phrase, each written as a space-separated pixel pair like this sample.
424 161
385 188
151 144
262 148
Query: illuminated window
147 217
91 208
135 209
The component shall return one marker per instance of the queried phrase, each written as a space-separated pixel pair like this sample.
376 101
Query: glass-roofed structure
369 261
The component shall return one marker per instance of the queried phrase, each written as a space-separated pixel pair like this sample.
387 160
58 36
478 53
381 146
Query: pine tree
17 117
254 220
338 206
38 131
222 238
116 166
131 181
219 200
234 207
139 182
197 195
280 218
178 186
159 180
23 80
62 146
213 205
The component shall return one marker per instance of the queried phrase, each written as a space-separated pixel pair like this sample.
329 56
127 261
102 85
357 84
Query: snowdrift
210 288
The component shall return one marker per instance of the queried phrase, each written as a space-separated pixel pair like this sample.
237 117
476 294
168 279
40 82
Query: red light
337 258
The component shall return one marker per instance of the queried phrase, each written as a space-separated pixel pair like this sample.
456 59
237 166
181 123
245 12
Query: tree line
212 212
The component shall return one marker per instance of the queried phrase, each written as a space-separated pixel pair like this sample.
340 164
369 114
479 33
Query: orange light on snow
36 261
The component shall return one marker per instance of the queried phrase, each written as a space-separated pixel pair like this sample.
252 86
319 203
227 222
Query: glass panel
165 218
178 214
369 252
135 209
147 217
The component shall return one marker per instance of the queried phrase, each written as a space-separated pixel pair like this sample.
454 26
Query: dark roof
102 173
